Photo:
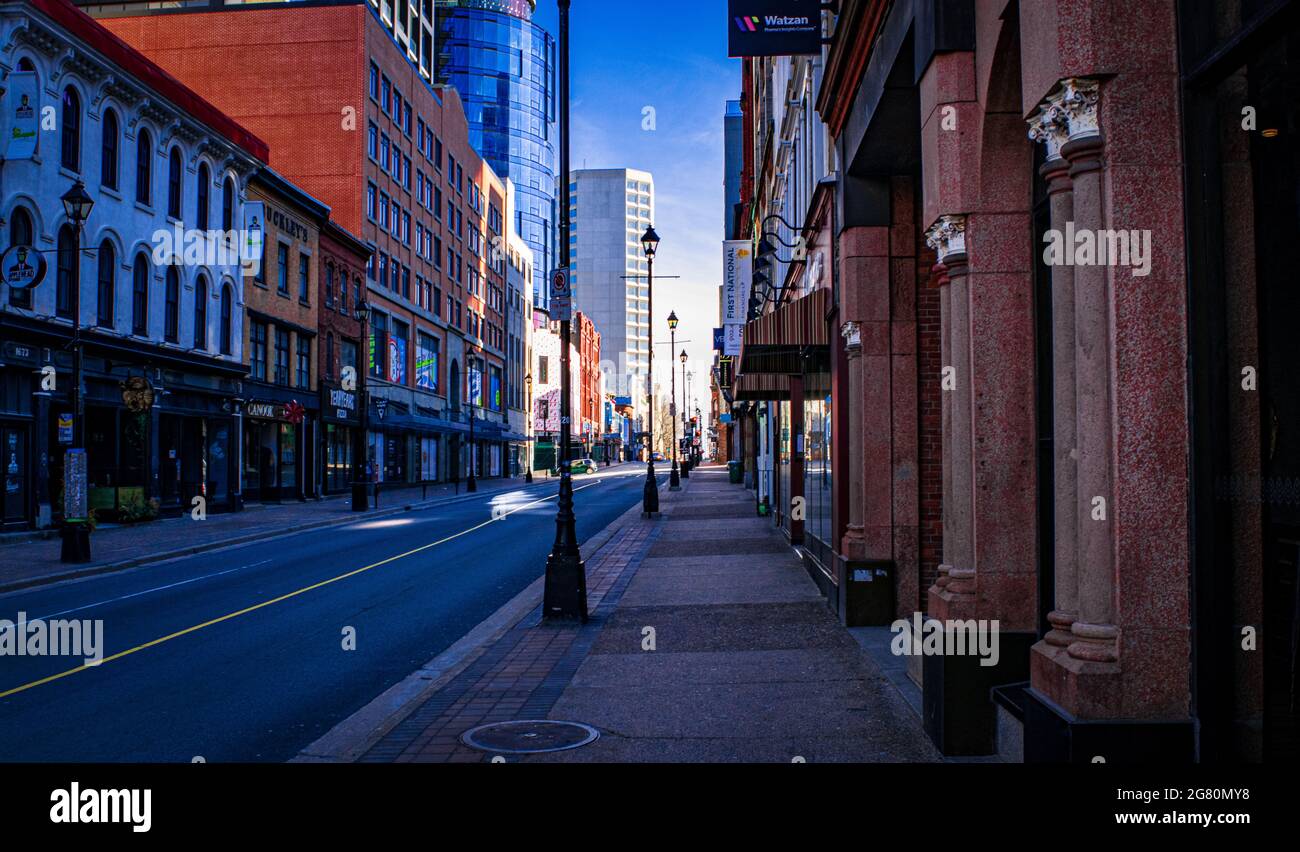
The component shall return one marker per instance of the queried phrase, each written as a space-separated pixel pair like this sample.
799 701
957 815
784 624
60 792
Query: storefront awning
762 386
775 342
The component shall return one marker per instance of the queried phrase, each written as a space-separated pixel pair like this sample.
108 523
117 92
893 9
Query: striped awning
756 387
774 342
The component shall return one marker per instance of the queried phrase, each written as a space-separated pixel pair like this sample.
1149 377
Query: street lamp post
77 204
650 495
686 455
360 445
528 450
565 592
674 477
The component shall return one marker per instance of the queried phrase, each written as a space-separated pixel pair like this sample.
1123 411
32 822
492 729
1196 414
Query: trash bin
735 472
869 594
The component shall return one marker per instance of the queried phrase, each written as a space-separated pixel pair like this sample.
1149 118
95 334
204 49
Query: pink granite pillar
1049 126
853 546
956 598
1094 632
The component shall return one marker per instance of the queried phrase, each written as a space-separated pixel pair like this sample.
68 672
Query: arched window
174 169
227 320
205 181
228 205
107 288
343 291
70 157
21 233
140 295
67 272
108 154
201 313
329 285
172 317
144 167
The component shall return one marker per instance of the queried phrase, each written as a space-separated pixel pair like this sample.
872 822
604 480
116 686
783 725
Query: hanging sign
774 27
22 267
22 105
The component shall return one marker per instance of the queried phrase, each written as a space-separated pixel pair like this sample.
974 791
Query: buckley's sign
774 27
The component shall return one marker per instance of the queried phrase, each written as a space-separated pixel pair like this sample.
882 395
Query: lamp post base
76 544
674 479
564 597
471 485
650 494
360 497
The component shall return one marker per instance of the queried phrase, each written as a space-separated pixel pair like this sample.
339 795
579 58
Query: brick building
356 122
588 418
281 307
344 258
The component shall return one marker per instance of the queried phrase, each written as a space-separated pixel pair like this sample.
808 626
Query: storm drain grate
529 736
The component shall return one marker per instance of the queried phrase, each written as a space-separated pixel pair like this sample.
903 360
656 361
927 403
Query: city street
237 654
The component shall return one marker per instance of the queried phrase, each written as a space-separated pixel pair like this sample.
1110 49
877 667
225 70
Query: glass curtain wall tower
504 65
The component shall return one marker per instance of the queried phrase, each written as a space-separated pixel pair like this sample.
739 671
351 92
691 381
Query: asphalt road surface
238 654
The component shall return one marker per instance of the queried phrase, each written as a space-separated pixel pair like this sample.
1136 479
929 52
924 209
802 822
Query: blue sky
670 55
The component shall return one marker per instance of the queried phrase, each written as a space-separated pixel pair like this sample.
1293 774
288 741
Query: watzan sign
774 27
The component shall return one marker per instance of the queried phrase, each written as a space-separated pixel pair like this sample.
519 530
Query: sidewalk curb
355 735
193 550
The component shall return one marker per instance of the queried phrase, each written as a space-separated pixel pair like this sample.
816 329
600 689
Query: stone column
945 429
1050 126
947 236
1094 632
853 547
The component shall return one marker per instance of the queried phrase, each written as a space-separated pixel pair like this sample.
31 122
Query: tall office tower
610 210
733 132
504 67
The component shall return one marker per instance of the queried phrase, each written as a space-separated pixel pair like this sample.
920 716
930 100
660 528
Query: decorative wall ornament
852 333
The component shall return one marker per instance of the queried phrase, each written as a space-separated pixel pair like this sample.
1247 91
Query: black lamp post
77 204
674 476
360 445
565 592
650 495
528 449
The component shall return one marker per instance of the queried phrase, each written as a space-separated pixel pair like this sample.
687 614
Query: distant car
581 466
658 456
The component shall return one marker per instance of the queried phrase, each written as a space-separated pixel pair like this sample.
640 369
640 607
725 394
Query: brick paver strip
522 674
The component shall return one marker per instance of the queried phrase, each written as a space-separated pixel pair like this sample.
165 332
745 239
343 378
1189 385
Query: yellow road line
284 597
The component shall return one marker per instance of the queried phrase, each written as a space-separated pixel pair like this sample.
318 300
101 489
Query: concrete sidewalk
708 642
29 560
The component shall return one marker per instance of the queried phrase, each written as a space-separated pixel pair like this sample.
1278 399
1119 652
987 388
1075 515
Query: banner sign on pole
22 109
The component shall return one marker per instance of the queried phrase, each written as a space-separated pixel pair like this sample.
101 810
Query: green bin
736 472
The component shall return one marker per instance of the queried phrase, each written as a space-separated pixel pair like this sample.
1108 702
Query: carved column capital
852 333
947 236
1079 99
1050 124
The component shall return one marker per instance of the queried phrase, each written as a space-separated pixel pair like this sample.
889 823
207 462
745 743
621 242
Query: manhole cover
531 736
